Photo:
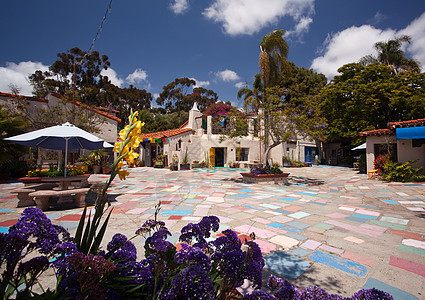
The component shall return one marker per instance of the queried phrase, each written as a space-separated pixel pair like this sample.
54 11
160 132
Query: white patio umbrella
360 147
60 137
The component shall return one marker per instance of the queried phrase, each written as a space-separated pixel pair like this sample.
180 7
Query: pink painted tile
262 221
331 249
262 233
336 216
225 205
414 243
373 227
408 265
128 204
136 211
368 212
199 212
293 208
321 201
353 228
278 230
311 244
359 258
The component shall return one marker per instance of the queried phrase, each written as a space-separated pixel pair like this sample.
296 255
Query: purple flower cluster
234 263
189 255
150 225
199 232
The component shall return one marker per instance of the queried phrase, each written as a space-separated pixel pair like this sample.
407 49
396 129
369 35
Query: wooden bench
23 193
41 198
372 174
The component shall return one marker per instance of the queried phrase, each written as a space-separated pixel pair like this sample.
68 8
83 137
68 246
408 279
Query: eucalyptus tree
391 54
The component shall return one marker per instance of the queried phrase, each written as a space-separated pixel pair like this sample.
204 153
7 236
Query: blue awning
410 133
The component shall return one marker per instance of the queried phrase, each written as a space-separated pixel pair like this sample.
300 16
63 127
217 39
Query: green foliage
159 122
402 172
381 162
364 98
180 95
11 124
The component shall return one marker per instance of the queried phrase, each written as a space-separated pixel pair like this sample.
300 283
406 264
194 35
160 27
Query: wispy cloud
240 84
200 83
302 27
17 74
227 75
251 16
179 6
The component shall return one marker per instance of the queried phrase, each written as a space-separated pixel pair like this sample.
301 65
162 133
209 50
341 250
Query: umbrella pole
66 154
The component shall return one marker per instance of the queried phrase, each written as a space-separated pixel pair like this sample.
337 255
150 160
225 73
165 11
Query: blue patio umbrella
60 137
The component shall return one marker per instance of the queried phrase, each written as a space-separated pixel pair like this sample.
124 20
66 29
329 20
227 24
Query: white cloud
227 75
17 74
349 46
179 6
302 27
416 30
200 83
137 76
250 16
113 76
240 84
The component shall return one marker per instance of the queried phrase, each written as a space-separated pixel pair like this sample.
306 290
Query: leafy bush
381 161
402 172
259 169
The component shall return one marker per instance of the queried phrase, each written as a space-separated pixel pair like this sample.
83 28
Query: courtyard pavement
329 227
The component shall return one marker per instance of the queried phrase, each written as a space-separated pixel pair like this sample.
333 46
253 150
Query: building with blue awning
405 140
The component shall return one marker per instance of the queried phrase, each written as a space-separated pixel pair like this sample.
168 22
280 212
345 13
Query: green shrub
402 172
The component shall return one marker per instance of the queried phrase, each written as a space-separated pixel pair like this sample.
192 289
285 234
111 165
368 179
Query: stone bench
41 198
23 193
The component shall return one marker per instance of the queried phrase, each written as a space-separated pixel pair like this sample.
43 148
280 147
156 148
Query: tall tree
364 98
391 54
180 95
273 58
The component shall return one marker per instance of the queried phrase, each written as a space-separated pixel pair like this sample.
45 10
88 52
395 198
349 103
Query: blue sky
216 42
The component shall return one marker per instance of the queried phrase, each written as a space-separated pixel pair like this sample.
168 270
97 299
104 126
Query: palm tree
273 58
391 54
252 97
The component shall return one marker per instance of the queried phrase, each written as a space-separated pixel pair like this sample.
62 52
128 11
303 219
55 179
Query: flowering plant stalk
89 241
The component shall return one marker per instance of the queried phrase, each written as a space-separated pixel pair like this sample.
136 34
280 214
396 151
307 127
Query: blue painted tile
365 216
276 225
297 236
287 265
253 207
370 207
393 291
4 229
318 203
6 210
339 263
307 193
390 201
356 219
298 224
414 199
287 198
292 229
285 212
300 252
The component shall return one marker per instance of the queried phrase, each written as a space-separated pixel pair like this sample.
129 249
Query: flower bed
281 178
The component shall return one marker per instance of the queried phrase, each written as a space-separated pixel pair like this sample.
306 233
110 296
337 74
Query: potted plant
185 162
159 161
286 161
96 158
174 166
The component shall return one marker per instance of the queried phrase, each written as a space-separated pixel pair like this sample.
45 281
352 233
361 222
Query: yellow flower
131 156
122 173
117 147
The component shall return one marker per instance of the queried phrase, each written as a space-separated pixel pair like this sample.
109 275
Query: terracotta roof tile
410 123
165 133
23 97
377 132
184 124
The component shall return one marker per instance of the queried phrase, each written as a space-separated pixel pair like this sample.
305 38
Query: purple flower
149 226
193 255
191 283
285 289
370 294
117 241
259 295
230 241
34 266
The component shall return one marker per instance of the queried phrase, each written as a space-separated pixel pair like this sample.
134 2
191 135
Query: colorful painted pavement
329 227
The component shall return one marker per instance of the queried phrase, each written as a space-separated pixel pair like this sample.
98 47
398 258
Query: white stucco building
198 139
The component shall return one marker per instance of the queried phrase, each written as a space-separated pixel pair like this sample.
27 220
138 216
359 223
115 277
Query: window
242 154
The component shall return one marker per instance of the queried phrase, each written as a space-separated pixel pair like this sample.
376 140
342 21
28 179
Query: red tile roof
377 132
23 97
410 123
165 133
184 124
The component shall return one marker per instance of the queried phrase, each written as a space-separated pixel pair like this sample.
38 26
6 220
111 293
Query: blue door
310 154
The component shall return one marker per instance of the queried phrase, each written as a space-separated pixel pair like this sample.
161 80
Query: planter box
29 181
184 166
265 178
